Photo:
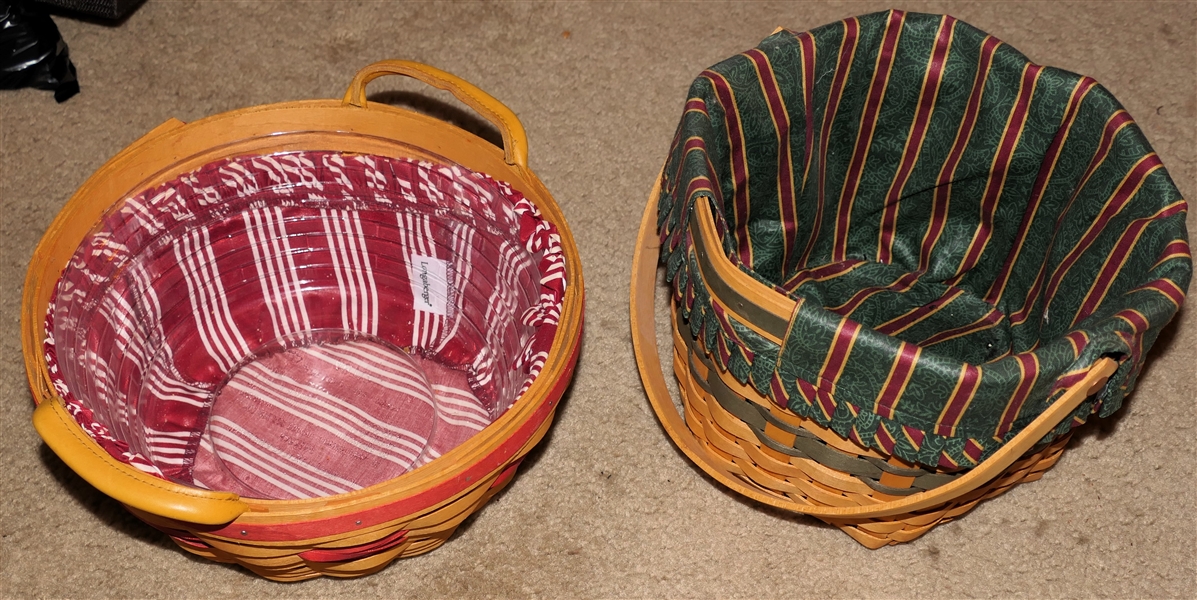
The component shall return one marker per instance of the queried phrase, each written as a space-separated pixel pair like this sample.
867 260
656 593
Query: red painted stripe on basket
1028 364
864 132
307 530
1011 136
928 94
943 190
1117 258
913 317
1046 170
739 162
781 125
959 401
896 381
844 65
354 552
1114 124
1126 190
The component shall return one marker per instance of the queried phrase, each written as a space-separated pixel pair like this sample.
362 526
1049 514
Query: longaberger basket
906 262
308 337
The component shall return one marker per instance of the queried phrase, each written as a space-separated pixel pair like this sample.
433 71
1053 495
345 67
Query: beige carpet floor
607 507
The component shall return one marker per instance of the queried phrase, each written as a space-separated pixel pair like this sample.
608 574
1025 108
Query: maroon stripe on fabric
961 397
1177 249
915 436
1030 370
785 168
1168 288
808 87
1115 124
697 104
918 129
1128 188
884 438
912 317
845 337
847 52
991 318
1078 339
997 172
973 450
1046 169
1068 380
943 188
900 284
900 373
946 461
779 392
1117 258
821 273
807 391
697 144
739 162
864 135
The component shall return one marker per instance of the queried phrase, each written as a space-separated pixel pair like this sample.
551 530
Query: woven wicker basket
873 374
359 531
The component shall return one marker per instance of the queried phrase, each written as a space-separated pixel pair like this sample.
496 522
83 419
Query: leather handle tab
515 139
644 343
126 484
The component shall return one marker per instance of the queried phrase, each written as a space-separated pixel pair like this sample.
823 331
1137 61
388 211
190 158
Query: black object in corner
32 51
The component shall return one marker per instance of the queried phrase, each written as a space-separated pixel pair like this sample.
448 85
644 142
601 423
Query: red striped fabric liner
306 242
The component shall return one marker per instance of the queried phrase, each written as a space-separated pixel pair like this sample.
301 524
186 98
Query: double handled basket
905 263
310 337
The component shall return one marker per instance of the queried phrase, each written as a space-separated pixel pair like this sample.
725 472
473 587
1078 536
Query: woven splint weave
965 232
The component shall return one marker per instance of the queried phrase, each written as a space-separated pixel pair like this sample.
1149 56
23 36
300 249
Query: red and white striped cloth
185 283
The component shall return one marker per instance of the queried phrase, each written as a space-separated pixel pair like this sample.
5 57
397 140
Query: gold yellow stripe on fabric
1011 136
913 148
844 63
882 67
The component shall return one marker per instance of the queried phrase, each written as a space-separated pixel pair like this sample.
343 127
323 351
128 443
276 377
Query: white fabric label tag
430 284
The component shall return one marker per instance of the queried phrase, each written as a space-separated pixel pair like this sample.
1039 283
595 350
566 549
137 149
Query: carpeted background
607 507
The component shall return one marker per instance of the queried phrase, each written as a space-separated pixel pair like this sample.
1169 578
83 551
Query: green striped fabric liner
966 232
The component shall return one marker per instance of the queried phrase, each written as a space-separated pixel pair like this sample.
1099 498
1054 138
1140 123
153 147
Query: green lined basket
926 242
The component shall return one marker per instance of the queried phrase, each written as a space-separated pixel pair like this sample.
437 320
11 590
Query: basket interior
963 233
304 324
932 184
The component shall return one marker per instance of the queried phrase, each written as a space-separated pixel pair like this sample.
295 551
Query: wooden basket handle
515 139
644 343
124 483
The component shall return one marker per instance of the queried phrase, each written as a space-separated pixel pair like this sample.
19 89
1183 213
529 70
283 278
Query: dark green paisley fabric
966 232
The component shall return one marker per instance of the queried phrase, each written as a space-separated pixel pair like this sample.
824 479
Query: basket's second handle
125 483
515 139
644 343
